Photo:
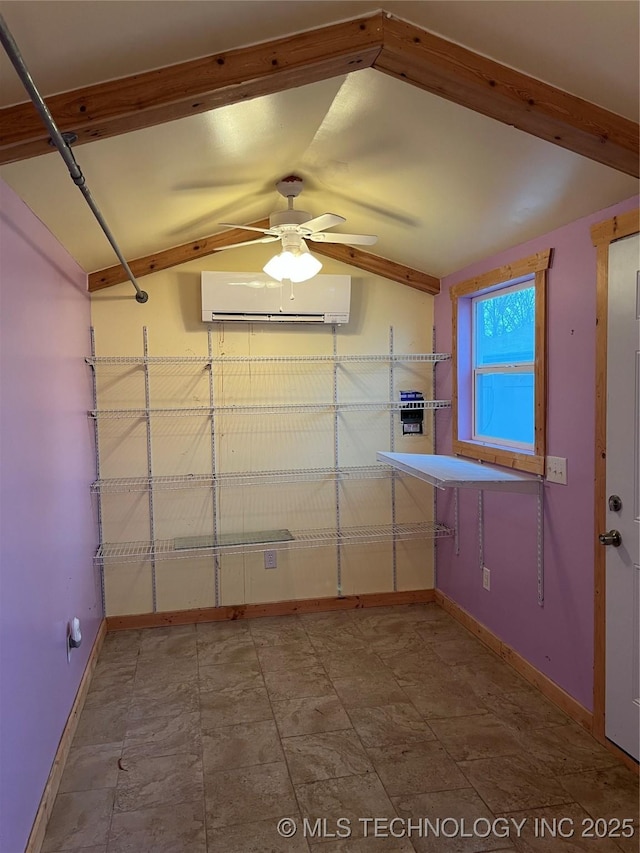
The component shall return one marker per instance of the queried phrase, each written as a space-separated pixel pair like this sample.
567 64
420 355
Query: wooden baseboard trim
275 608
545 685
34 844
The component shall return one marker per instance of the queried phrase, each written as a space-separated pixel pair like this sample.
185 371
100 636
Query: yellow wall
257 442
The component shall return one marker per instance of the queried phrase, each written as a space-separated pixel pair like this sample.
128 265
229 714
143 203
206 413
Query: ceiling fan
293 227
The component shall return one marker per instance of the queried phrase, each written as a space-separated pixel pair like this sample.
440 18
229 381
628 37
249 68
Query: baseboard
545 685
43 814
571 707
274 608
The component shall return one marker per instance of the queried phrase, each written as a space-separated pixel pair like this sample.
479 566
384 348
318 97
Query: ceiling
439 184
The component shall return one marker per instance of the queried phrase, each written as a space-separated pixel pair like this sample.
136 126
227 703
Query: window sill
517 460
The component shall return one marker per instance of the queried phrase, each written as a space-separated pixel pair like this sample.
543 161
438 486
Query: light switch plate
557 469
486 578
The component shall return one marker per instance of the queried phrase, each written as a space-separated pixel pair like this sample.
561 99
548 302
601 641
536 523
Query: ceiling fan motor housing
288 217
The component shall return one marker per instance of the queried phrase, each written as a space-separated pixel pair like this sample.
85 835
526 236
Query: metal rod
481 529
214 472
152 522
336 459
540 542
456 522
61 142
94 386
394 544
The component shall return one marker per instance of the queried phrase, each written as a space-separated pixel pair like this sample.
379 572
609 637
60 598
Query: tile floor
199 739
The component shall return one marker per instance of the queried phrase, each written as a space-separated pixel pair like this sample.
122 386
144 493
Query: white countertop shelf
451 472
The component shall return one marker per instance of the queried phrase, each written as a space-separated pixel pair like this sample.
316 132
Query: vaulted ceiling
448 155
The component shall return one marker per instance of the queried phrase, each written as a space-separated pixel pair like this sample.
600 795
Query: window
503 330
499 394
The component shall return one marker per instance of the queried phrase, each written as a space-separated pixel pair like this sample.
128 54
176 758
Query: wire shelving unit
146 370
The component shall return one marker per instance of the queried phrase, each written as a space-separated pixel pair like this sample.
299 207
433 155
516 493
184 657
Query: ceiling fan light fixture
295 263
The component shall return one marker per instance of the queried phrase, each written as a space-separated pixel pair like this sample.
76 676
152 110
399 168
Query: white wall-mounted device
255 298
74 636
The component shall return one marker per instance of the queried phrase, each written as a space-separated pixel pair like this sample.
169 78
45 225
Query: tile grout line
284 754
201 733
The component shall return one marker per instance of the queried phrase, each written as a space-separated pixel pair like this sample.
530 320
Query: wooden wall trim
530 463
275 608
458 74
543 683
43 814
454 374
501 275
535 265
600 557
540 393
552 691
615 228
602 235
215 242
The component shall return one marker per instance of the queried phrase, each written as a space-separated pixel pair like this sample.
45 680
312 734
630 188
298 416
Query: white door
622 724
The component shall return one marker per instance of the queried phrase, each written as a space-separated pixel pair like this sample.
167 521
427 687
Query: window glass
503 367
505 327
504 407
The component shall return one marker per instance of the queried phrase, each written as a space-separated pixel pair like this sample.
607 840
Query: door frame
602 235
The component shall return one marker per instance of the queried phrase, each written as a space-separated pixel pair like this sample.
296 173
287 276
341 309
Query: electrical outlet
556 471
270 560
486 578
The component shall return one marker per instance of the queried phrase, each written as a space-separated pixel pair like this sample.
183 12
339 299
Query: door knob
611 538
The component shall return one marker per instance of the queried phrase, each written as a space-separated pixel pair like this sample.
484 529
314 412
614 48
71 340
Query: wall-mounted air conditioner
254 297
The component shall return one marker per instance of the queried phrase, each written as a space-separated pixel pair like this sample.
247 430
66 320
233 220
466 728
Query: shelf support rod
94 387
214 481
152 524
456 523
336 456
481 529
393 471
540 542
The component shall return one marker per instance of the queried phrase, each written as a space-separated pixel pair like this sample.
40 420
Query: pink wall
556 638
48 531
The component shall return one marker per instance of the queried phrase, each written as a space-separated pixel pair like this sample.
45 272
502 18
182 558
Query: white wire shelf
271 409
164 549
240 478
431 357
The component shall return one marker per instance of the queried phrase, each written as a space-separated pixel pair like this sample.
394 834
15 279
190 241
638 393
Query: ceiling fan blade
352 239
247 228
327 220
249 242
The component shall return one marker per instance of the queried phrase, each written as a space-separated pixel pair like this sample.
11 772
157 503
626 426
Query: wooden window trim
536 265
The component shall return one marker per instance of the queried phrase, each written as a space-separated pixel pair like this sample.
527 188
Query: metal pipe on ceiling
62 142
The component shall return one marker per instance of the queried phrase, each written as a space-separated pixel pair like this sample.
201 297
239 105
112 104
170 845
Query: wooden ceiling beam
391 46
188 88
171 257
499 92
378 266
208 245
